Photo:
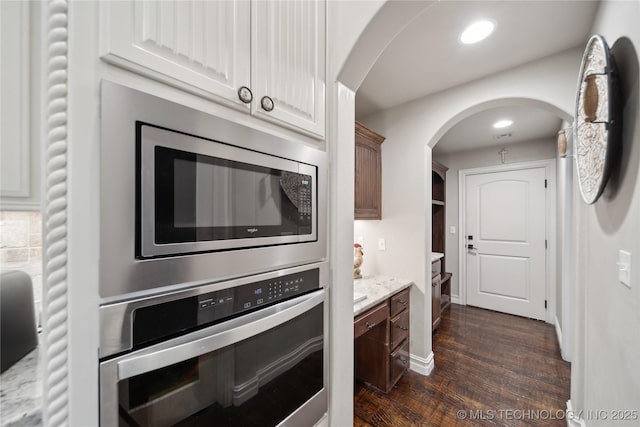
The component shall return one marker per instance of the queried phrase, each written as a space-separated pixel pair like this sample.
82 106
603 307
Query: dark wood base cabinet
435 302
382 342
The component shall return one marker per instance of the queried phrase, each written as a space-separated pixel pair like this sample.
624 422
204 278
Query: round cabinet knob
245 95
267 103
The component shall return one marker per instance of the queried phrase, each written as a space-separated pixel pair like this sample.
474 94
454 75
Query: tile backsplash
21 247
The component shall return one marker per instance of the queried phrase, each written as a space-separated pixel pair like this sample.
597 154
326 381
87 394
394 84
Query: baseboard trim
421 365
574 418
455 299
558 332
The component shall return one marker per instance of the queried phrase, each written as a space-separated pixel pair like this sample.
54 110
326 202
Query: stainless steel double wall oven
212 269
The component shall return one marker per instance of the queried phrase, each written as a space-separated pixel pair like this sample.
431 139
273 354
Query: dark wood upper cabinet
368 173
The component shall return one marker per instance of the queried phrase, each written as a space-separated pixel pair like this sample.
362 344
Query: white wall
522 152
565 274
606 369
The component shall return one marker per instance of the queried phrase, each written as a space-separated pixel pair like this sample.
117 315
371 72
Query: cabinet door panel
435 302
368 173
199 46
288 51
19 141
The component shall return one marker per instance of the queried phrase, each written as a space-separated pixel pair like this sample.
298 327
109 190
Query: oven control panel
230 302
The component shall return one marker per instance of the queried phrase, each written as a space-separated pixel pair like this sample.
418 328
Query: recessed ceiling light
502 124
477 31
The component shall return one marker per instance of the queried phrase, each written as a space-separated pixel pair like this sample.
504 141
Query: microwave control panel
237 300
304 208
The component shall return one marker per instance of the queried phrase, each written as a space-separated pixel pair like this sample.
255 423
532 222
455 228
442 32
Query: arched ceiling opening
474 128
426 57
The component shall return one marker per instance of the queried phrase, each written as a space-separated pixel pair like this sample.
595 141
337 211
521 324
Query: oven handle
216 336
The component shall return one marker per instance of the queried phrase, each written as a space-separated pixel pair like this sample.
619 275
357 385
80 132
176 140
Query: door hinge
545 183
545 243
545 304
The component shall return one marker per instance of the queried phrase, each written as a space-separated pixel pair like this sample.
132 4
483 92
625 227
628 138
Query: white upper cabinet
199 46
288 59
19 125
275 49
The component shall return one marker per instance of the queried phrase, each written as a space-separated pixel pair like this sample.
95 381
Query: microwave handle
216 336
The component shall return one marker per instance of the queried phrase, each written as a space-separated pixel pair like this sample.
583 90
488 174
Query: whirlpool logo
252 230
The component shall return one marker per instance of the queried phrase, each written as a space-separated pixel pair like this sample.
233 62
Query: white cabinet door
19 152
200 46
288 62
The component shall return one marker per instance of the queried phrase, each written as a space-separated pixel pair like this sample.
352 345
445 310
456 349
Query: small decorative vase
357 260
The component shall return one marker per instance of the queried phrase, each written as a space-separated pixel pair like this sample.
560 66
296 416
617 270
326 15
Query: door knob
470 247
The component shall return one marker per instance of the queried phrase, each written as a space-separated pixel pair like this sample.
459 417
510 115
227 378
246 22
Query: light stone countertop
436 256
21 392
377 289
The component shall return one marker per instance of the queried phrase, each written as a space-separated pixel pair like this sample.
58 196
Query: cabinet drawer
399 328
436 268
399 362
399 302
370 319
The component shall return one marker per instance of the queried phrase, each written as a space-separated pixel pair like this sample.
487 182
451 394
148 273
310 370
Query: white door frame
550 227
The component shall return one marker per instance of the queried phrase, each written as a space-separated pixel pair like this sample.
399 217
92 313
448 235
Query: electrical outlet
624 268
382 244
452 229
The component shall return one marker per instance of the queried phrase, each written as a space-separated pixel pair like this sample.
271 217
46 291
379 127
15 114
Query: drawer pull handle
403 302
403 360
403 328
370 325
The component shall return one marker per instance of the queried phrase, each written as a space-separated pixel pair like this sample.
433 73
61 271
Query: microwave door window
255 198
203 198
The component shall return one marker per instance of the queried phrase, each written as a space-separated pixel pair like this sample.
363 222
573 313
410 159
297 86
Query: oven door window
255 382
203 198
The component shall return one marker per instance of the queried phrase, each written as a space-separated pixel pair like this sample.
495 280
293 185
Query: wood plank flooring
498 369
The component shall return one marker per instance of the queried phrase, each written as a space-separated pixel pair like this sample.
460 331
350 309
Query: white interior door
505 238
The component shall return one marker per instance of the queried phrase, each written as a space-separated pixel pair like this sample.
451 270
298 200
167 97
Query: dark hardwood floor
491 369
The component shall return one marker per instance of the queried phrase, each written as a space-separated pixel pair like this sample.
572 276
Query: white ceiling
529 124
427 58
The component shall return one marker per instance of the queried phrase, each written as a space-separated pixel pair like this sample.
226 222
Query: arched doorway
424 136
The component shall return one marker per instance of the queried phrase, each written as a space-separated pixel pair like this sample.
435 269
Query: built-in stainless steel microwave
200 195
189 197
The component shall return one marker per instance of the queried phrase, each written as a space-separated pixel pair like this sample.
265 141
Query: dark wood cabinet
436 302
382 342
441 280
368 173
